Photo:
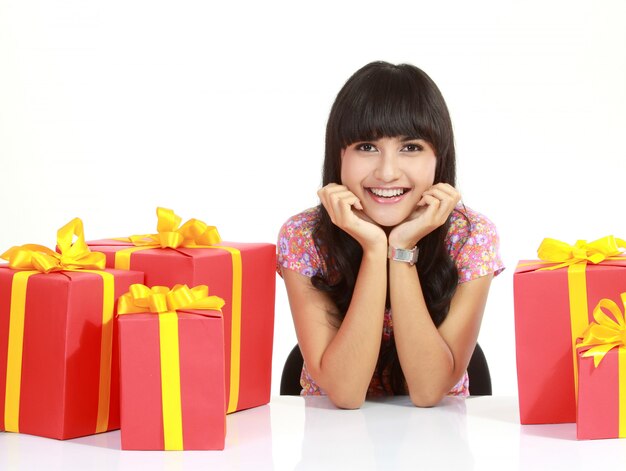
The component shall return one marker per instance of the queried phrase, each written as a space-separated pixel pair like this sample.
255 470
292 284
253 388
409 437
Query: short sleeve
474 245
295 247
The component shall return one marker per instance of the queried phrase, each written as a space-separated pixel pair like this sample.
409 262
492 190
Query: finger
334 187
326 194
438 193
446 204
436 213
447 189
445 209
345 209
432 203
323 196
346 199
330 188
342 203
449 200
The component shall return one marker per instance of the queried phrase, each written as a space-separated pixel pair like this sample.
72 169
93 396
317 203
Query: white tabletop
479 433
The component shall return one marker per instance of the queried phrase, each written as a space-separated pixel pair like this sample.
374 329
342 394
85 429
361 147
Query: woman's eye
413 148
366 147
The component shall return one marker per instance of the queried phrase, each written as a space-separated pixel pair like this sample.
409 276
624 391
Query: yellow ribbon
32 259
602 336
235 326
165 302
564 254
171 234
160 299
195 234
74 255
605 333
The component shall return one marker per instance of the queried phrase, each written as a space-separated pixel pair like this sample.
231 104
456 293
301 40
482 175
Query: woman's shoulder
474 244
302 223
296 249
465 221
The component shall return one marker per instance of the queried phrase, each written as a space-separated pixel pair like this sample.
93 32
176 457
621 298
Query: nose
388 168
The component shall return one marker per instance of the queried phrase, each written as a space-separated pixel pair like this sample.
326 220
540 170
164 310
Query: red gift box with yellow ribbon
243 274
601 411
554 299
58 346
172 369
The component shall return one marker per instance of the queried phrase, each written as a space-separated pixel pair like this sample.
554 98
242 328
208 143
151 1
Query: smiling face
388 175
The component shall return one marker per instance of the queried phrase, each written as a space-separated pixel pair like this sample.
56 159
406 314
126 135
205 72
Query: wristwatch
403 255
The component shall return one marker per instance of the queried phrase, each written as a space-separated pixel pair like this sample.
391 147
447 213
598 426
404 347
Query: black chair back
477 370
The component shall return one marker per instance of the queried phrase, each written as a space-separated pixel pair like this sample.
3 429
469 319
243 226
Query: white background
218 109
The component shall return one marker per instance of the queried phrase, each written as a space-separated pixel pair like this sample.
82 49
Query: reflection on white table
480 433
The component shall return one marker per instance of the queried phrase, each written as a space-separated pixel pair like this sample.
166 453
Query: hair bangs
389 106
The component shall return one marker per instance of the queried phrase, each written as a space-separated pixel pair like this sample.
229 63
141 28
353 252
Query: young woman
388 277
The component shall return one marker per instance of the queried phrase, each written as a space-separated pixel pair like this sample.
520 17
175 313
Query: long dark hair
386 100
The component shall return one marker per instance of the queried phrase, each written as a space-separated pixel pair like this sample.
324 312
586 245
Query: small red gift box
602 375
58 346
553 305
172 374
243 274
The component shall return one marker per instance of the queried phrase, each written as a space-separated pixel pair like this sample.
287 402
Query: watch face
403 255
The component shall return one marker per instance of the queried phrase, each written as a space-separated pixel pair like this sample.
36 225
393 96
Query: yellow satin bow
606 333
74 255
160 299
552 250
191 234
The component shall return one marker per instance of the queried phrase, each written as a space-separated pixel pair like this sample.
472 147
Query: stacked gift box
172 369
558 299
59 355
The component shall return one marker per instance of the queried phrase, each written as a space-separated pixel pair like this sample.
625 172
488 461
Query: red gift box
58 346
552 308
601 411
243 274
65 349
172 387
601 396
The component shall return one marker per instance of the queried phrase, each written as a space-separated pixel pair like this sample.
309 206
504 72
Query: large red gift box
552 308
172 386
243 274
58 359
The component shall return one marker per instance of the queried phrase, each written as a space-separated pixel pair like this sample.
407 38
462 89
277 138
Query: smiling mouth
388 192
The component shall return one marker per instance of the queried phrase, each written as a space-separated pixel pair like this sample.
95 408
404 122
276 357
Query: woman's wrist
378 250
399 243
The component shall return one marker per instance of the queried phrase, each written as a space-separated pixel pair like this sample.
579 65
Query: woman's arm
434 360
342 358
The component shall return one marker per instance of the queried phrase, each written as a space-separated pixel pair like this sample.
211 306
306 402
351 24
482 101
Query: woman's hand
432 211
346 212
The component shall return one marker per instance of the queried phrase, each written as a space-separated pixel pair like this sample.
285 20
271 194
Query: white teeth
387 192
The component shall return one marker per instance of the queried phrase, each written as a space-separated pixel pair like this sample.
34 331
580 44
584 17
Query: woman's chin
386 220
